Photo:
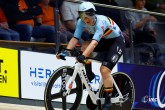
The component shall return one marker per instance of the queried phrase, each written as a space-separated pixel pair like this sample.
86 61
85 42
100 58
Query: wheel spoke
56 95
74 91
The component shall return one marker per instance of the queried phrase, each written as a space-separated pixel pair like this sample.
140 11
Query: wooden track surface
5 106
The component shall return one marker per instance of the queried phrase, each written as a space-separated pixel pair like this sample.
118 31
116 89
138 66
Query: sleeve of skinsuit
79 29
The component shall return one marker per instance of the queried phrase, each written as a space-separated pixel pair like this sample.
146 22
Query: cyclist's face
90 20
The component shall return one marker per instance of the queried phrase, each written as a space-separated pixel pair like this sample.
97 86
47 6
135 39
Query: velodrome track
5 106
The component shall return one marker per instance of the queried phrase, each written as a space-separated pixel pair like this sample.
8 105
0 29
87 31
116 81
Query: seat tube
120 94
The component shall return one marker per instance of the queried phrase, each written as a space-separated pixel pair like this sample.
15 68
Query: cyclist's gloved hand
81 59
62 55
75 52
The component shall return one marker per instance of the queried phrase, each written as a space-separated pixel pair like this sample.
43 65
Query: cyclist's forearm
72 43
90 48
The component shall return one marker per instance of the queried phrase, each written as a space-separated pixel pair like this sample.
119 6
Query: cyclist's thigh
114 52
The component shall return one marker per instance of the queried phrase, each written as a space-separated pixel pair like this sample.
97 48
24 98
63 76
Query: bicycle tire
125 85
50 95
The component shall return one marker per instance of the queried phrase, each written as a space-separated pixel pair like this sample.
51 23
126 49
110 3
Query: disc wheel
54 91
126 87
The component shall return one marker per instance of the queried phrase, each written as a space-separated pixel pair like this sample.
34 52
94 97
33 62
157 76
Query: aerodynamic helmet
86 9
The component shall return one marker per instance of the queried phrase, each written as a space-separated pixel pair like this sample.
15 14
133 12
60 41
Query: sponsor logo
114 58
119 50
9 72
102 27
148 99
3 74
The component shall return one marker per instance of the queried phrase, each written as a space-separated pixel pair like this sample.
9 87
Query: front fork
63 86
66 78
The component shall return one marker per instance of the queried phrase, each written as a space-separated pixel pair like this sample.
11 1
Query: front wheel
55 88
127 89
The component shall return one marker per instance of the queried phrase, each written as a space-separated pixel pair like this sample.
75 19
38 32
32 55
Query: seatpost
56 26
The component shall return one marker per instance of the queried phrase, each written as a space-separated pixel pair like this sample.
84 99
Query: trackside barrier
149 82
25 73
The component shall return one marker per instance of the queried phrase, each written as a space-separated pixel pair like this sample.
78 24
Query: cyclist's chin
89 24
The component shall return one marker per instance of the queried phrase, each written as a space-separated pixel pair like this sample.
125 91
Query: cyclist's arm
72 43
77 35
90 48
95 40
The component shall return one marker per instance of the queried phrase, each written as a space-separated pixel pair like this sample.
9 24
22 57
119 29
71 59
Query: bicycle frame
80 69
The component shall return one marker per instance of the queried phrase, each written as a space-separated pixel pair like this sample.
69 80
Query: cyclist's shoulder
80 23
101 19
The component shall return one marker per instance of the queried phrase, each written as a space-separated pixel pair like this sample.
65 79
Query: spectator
156 6
69 11
53 3
46 21
114 14
5 32
20 14
143 32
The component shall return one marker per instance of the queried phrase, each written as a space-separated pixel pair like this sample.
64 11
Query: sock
90 74
108 93
108 90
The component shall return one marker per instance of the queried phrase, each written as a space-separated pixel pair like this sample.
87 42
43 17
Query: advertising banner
149 82
36 68
9 84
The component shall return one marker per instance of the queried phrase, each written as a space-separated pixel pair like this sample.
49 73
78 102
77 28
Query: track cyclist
107 37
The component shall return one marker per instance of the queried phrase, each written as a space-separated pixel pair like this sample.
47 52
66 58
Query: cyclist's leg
108 86
115 48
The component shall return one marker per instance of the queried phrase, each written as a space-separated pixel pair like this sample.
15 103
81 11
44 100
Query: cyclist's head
86 10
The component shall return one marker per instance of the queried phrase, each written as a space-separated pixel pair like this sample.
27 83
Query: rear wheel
56 87
126 87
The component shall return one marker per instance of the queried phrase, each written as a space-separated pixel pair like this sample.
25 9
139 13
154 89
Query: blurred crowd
20 20
24 20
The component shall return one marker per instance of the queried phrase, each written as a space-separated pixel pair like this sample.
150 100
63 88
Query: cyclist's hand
81 59
62 55
75 52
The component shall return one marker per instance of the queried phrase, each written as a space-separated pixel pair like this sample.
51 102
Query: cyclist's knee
105 72
109 65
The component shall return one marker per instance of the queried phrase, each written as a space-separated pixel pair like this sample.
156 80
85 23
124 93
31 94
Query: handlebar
76 52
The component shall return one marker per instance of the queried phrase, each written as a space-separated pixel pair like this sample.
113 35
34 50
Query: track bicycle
71 81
